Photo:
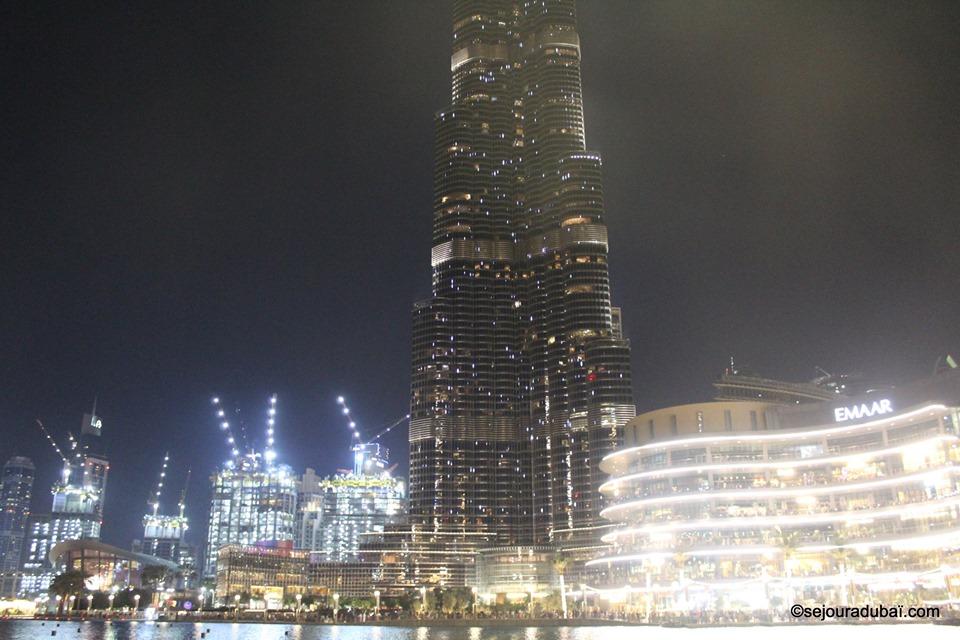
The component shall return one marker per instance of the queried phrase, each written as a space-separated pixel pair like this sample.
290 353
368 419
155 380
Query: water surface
36 630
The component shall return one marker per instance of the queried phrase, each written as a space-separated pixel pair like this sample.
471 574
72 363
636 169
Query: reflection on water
36 630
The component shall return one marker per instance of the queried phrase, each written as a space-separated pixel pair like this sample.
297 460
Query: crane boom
396 423
52 442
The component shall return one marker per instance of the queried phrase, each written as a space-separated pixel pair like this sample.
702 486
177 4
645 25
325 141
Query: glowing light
785 493
340 399
346 411
794 434
270 455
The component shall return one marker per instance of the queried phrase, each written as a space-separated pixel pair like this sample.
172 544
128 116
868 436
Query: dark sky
234 198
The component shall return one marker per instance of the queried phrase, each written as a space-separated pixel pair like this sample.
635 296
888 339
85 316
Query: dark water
35 630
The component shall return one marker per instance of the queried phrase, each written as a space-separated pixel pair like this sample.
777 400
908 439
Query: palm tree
69 583
788 543
155 576
842 555
559 565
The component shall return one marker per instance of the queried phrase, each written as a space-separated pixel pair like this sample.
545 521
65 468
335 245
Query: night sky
235 198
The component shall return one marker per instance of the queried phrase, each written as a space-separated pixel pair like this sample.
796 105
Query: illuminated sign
865 410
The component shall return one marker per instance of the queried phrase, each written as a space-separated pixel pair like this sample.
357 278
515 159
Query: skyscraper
18 474
17 491
254 498
521 376
77 509
252 502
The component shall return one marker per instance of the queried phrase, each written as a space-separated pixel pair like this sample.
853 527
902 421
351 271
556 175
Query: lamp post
89 603
136 603
70 604
236 606
336 605
423 596
473 601
299 598
110 600
376 595
203 597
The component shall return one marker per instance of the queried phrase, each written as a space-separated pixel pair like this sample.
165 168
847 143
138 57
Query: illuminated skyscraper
77 510
18 474
521 376
333 512
17 491
254 498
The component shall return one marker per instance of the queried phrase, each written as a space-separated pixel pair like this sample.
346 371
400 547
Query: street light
423 595
336 605
110 599
89 603
473 591
376 594
70 604
136 603
236 606
299 598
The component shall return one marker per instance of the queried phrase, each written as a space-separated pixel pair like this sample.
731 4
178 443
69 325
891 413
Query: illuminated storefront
849 501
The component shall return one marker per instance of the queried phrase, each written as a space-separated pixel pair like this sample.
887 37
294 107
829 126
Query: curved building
750 506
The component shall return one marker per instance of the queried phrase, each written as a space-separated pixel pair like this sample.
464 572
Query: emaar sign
865 410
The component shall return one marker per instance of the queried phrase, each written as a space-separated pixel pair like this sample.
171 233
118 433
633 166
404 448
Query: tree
69 583
155 575
559 566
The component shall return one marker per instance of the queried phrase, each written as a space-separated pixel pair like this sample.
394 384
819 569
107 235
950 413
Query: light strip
792 520
922 541
719 551
791 434
767 493
900 544
788 464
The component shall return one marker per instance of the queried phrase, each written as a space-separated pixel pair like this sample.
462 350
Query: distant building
332 513
77 509
252 502
15 497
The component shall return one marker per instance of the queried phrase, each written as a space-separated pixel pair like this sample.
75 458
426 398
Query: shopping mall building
757 504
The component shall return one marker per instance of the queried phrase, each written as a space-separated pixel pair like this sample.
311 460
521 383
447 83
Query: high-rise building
77 509
163 534
521 375
332 513
252 502
17 492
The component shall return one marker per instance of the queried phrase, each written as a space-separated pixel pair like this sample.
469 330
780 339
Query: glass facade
251 503
521 377
839 511
332 513
17 491
77 509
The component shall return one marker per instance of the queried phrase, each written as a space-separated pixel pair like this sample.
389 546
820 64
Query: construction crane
367 455
352 425
183 494
52 442
154 500
247 450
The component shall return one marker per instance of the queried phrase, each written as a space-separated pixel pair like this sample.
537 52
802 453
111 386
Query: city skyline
220 313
